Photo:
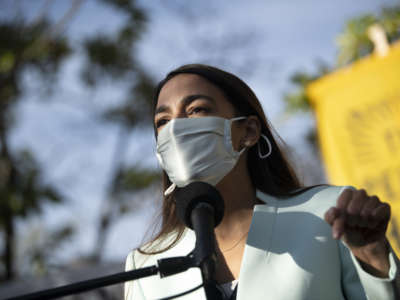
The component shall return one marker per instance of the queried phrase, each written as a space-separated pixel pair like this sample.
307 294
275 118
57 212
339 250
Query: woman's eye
198 110
161 122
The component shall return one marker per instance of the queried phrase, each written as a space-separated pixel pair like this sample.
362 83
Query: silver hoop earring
263 156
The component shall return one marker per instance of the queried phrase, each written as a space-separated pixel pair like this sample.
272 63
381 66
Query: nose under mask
197 149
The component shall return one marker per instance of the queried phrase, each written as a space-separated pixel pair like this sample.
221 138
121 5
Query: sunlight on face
190 96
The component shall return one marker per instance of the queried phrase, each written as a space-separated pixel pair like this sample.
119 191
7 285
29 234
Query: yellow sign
358 118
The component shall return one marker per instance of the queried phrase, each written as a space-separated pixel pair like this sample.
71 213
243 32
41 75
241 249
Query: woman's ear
252 131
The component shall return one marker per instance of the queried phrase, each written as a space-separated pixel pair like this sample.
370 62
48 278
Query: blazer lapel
257 249
254 261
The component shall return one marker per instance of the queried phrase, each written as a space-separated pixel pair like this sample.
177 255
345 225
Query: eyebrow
186 101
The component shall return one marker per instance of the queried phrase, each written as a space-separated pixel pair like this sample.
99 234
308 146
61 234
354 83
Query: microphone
195 193
200 207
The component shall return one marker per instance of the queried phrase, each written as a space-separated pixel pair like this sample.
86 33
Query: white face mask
197 149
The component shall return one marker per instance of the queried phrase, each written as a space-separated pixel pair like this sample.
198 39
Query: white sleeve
375 287
132 289
359 284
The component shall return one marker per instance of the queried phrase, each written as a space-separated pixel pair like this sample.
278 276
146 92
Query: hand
361 221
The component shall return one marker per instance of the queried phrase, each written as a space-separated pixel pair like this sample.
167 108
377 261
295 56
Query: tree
113 58
41 46
23 47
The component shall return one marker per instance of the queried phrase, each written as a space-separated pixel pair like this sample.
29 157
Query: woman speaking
277 239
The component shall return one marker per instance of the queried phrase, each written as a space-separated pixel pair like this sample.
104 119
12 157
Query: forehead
188 84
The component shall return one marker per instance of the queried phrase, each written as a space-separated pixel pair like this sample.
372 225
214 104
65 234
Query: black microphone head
194 193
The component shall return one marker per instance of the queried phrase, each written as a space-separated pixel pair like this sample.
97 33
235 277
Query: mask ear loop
263 156
170 189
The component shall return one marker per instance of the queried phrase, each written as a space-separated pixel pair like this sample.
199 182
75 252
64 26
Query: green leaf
7 62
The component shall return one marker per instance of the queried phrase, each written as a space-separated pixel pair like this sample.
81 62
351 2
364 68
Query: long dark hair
273 175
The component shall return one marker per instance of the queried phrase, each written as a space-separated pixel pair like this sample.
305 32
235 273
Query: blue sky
268 41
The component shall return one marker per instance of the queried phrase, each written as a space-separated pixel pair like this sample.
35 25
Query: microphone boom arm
166 267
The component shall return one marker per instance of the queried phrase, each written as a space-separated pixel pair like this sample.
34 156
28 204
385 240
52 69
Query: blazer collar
267 199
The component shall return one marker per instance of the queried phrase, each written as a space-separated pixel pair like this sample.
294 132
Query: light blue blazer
289 255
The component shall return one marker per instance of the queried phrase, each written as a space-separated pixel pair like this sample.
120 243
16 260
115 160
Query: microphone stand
202 257
166 267
204 253
202 209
